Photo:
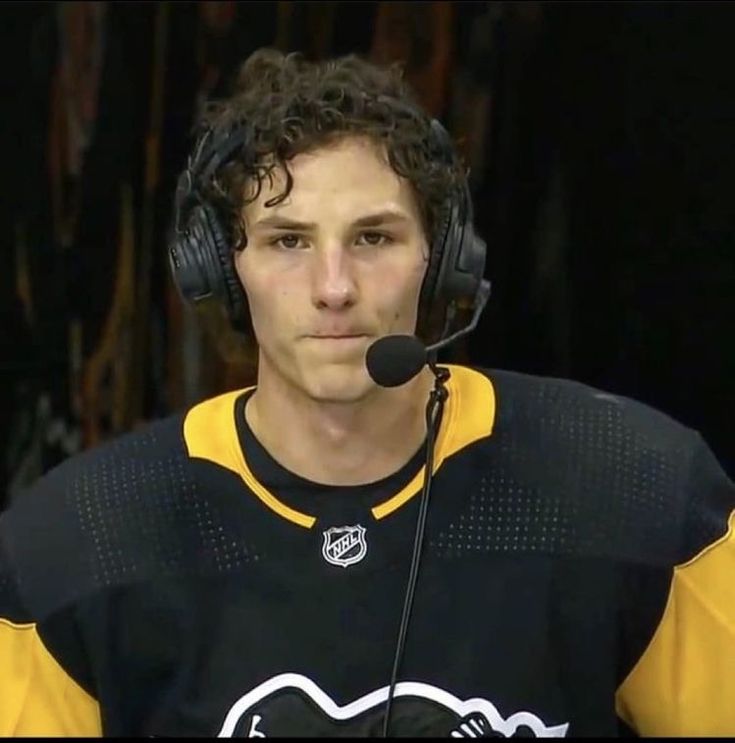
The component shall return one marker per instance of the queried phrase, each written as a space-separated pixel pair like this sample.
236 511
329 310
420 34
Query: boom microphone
393 360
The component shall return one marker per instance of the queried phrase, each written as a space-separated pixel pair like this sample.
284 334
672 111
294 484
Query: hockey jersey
577 578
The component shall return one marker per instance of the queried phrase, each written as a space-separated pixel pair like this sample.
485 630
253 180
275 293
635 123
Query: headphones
201 255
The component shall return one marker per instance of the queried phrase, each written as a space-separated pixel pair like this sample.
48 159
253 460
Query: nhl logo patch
344 545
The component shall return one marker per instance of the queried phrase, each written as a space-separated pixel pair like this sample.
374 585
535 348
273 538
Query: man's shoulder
12 607
151 454
132 508
613 474
572 409
123 458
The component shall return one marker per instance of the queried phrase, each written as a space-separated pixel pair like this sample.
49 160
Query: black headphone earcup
432 304
455 272
203 267
457 260
231 292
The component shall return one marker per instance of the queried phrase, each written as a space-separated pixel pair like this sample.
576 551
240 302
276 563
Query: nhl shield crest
344 545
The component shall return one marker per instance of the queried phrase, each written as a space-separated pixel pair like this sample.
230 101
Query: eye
288 242
375 238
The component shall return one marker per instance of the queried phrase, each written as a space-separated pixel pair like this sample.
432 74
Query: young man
241 569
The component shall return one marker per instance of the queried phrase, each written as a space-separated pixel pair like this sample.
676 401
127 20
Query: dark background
600 143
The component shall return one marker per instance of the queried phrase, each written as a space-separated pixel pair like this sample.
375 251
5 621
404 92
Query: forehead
337 180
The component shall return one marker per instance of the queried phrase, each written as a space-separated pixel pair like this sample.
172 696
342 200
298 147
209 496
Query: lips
337 335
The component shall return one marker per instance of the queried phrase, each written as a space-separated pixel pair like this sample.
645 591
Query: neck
340 443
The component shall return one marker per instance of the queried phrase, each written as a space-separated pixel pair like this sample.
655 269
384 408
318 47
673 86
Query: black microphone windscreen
395 359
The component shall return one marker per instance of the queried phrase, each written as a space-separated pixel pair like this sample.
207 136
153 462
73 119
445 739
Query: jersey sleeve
38 696
110 516
684 681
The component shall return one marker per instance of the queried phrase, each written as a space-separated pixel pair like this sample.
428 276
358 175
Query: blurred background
599 137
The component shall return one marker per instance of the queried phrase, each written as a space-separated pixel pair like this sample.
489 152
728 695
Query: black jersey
578 578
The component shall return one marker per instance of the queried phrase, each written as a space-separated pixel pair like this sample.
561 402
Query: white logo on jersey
254 732
344 545
477 716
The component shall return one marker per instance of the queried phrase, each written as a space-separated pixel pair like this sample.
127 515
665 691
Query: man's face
334 267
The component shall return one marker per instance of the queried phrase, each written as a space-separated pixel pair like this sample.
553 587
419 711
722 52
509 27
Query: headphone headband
208 157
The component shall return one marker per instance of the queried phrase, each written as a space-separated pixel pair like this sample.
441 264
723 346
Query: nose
333 280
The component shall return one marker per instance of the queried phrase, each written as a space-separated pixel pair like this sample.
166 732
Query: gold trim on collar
210 433
469 414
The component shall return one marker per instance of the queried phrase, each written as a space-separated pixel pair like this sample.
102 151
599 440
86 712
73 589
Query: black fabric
585 473
12 606
315 498
189 607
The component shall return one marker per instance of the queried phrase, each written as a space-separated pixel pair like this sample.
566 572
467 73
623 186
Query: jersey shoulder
566 404
136 508
617 474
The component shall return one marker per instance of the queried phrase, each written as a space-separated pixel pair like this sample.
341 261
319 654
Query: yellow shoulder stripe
37 697
684 683
210 433
469 415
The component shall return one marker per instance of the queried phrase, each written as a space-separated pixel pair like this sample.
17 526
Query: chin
338 384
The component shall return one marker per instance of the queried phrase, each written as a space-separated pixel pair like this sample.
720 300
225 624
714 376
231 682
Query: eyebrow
369 220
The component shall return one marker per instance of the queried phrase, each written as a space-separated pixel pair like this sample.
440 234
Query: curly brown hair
294 105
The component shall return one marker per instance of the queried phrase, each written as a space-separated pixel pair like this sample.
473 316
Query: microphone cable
434 409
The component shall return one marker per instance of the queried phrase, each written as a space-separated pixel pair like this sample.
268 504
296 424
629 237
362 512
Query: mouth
337 336
344 341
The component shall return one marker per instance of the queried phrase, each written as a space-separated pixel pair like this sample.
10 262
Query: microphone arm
394 359
483 294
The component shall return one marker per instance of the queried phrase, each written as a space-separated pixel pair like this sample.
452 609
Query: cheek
401 291
270 300
273 306
258 286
